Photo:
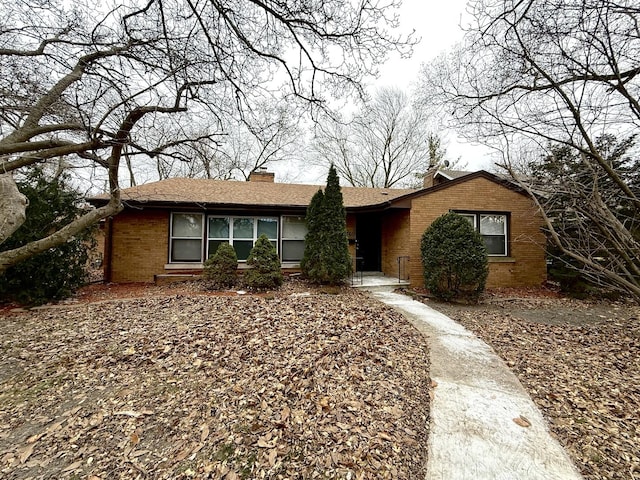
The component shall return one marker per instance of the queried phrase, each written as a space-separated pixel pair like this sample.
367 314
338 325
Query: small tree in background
265 270
220 268
57 272
326 257
454 258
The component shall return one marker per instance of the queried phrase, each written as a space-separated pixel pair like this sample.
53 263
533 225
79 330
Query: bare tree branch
164 79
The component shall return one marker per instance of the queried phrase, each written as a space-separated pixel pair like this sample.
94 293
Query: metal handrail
403 260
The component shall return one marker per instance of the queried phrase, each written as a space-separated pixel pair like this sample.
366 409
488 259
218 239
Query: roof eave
456 181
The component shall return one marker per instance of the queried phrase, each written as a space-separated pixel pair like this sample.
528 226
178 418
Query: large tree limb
9 258
63 148
54 94
13 205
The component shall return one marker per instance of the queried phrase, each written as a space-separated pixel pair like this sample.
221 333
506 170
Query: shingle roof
452 174
230 193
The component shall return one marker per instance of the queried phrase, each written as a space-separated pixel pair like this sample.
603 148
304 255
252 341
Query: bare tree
536 73
384 145
97 86
268 137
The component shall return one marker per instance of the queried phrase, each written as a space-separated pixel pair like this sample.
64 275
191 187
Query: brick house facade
169 227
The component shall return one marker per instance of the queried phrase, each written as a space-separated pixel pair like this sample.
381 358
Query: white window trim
231 238
476 226
204 250
505 234
172 238
291 263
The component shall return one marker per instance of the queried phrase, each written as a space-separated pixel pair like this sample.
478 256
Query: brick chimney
427 180
262 176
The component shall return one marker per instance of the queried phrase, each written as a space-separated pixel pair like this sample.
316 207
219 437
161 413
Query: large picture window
186 237
195 236
241 232
493 229
294 230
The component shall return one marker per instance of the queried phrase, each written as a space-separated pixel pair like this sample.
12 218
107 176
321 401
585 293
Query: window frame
477 223
205 237
284 239
230 239
172 237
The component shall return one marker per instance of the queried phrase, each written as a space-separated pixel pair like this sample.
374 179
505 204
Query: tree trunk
13 206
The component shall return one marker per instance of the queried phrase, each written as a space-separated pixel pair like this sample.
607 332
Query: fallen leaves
25 452
580 362
280 386
522 422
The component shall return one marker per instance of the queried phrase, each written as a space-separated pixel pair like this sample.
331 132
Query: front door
369 242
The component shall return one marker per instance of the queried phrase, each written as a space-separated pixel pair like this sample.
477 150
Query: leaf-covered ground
285 385
580 362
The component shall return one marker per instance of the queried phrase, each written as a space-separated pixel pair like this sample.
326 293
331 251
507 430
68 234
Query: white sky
438 24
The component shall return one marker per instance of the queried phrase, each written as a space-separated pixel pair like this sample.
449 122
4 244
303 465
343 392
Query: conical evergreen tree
338 260
311 263
326 258
220 269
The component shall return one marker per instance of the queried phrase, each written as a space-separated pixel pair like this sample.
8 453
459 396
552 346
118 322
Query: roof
452 174
231 193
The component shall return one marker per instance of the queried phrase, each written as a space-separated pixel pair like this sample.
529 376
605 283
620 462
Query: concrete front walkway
475 405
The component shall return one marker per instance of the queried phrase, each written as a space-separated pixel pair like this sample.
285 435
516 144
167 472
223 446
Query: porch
376 279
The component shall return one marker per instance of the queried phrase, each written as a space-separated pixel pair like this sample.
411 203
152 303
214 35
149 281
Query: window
294 230
192 239
242 240
471 219
241 232
492 228
268 227
186 237
218 233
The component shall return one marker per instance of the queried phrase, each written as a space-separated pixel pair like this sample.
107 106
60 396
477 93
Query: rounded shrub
454 258
220 268
264 266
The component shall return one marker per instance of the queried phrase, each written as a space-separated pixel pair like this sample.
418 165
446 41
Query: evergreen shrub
454 258
56 273
220 268
264 266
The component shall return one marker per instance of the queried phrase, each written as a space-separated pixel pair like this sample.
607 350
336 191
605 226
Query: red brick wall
526 264
395 232
139 240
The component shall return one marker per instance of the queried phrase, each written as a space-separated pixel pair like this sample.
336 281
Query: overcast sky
438 23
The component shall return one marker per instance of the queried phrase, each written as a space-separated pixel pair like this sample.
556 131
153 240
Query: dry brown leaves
284 386
580 362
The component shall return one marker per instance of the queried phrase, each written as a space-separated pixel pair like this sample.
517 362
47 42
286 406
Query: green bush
220 268
312 265
454 259
326 256
265 271
58 272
